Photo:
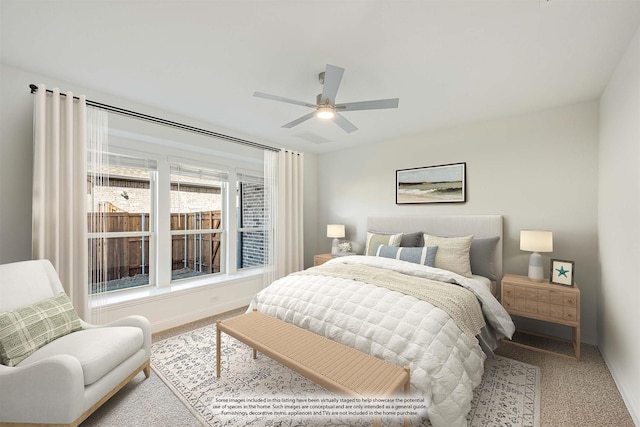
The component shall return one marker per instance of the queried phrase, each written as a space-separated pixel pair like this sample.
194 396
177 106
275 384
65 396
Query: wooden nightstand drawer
570 314
543 308
556 311
543 295
508 302
569 299
555 297
321 259
507 291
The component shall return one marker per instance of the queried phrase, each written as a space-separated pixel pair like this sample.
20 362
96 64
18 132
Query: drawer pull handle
569 315
570 300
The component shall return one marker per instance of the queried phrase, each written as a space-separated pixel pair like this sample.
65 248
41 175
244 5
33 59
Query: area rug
260 392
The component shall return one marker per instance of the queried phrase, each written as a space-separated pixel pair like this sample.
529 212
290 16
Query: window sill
125 297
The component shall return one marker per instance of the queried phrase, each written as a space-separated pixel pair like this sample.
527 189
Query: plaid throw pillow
373 240
26 329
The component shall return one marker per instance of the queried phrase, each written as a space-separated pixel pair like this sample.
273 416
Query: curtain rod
152 119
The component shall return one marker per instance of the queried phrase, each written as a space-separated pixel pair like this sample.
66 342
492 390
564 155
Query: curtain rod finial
33 87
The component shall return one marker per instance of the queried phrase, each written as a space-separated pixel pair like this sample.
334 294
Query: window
197 231
121 226
162 215
251 221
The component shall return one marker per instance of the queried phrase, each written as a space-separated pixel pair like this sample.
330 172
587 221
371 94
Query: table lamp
336 231
536 241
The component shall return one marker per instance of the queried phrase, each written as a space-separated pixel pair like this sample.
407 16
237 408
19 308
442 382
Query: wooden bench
334 366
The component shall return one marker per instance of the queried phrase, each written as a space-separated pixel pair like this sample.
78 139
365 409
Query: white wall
538 171
619 226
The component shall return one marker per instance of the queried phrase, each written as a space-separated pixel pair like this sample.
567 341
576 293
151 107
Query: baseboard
631 401
193 316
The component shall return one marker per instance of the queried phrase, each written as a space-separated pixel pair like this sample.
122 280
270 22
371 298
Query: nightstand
543 301
321 259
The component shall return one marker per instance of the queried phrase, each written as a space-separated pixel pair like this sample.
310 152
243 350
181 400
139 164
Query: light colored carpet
573 394
509 394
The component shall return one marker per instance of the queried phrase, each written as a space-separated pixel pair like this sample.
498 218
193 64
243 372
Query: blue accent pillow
424 255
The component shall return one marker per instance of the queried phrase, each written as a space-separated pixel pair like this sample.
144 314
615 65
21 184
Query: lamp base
536 271
334 246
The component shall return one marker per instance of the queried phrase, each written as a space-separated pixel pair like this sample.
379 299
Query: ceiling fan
326 107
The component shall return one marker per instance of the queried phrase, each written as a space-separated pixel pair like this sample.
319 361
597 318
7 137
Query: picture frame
432 184
562 272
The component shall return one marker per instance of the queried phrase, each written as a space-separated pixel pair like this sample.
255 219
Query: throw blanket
459 303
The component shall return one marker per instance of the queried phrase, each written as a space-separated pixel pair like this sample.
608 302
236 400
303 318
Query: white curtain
98 174
59 212
284 213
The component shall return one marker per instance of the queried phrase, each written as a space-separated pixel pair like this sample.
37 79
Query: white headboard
446 226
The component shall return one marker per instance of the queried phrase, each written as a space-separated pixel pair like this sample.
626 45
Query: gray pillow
481 256
409 240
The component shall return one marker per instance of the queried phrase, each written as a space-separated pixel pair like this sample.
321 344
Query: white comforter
446 365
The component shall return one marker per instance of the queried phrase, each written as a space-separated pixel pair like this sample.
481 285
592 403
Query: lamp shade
335 230
536 241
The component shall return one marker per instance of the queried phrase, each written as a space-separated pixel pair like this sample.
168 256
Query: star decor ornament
562 272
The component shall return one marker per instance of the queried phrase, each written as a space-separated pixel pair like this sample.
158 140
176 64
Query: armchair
66 380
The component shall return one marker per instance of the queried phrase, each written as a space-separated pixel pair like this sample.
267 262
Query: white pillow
374 239
453 253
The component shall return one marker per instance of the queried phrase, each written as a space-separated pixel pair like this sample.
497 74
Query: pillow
26 329
374 239
409 240
424 255
481 256
453 253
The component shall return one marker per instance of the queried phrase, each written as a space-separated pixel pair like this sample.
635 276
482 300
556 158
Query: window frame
222 231
164 154
151 234
248 177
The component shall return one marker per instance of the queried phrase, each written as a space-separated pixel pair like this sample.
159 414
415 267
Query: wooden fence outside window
129 256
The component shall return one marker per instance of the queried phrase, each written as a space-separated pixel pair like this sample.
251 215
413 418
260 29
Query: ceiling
449 62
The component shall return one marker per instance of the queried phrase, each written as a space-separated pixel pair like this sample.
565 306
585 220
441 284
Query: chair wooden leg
147 370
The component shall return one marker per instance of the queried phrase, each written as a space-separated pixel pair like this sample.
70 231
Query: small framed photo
562 272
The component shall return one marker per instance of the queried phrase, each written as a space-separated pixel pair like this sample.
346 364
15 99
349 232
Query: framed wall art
432 184
561 272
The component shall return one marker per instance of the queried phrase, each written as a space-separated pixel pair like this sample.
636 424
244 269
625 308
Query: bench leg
407 392
218 349
255 353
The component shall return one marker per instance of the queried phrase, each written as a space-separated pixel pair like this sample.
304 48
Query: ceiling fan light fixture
326 112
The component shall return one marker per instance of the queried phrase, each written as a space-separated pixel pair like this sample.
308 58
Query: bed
431 309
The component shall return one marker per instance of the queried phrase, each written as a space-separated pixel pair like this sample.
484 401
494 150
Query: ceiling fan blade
332 79
282 99
299 120
345 124
369 105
